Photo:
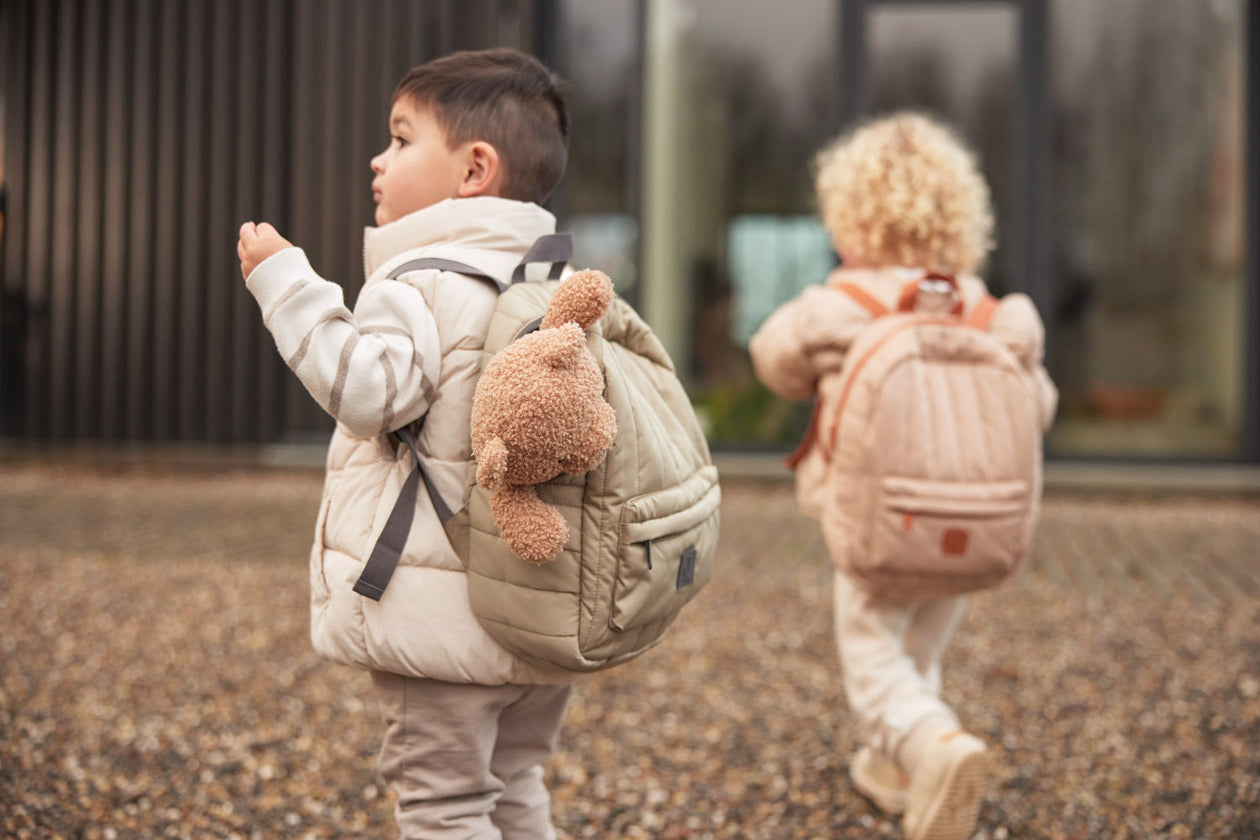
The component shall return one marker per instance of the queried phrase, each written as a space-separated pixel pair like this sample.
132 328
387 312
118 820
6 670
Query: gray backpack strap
442 264
389 547
556 249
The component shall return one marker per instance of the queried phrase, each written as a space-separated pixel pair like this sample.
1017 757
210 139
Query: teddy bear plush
538 411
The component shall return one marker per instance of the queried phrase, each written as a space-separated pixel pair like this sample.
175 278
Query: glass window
958 63
1146 336
739 94
599 54
753 95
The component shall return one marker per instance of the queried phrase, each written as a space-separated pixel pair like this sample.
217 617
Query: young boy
898 196
477 141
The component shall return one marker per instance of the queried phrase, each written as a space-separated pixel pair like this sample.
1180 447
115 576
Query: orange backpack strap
807 442
864 298
868 302
983 313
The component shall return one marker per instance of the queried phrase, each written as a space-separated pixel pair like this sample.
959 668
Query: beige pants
466 760
890 654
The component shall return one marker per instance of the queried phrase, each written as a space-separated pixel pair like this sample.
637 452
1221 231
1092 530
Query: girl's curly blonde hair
903 190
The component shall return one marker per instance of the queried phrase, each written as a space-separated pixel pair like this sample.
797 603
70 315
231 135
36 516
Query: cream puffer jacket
799 351
410 349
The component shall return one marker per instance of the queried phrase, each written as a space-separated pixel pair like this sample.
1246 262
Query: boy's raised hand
258 242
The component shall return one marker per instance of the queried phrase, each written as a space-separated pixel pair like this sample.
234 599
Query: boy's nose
378 163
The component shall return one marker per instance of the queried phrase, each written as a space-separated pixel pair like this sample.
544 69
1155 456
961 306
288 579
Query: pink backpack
933 449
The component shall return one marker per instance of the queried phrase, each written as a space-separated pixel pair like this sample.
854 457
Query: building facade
1120 141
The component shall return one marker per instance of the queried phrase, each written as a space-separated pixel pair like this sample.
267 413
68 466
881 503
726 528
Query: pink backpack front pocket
936 538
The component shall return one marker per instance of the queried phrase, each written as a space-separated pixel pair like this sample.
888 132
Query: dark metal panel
142 181
84 308
66 129
114 268
193 201
852 63
215 347
1033 156
310 45
469 27
368 109
248 96
140 133
332 129
514 23
545 34
366 119
274 112
165 367
404 37
1251 315
439 37
16 39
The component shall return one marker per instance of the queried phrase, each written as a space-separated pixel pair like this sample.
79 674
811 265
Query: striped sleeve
373 369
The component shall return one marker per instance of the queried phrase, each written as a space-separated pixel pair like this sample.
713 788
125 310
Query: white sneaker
946 789
879 780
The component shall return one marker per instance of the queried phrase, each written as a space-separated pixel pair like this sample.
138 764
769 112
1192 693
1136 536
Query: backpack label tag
686 568
954 542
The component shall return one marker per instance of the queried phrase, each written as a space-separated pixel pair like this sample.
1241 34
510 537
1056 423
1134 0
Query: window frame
1029 264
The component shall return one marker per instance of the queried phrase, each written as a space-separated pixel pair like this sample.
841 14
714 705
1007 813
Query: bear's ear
492 464
582 298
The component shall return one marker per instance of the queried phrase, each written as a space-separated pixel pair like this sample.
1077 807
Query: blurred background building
1120 139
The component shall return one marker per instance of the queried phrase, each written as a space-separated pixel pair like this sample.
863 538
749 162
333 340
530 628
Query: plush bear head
538 411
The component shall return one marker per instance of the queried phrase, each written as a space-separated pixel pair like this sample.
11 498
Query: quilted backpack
932 448
643 525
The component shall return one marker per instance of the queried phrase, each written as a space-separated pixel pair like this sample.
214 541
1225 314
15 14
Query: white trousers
466 760
890 656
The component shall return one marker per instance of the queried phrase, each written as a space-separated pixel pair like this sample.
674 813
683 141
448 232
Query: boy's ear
483 170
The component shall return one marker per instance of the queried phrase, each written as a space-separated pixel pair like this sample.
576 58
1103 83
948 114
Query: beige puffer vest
423 625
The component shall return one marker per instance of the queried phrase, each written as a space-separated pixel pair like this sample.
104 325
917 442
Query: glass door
1148 329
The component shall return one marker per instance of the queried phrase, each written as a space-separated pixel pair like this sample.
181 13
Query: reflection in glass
1146 335
599 54
957 63
739 96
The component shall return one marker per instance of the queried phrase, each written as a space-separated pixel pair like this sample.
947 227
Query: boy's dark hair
507 99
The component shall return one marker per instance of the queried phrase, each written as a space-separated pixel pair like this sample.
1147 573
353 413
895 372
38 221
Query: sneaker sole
952 816
887 799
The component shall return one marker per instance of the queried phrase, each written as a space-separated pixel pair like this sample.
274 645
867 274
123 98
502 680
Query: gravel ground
157 680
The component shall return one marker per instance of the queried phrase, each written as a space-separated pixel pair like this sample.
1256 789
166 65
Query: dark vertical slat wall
171 32
214 399
114 252
85 294
148 122
39 217
1251 363
139 134
15 45
61 293
186 118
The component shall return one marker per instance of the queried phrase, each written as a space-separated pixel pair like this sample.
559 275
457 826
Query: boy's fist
258 242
